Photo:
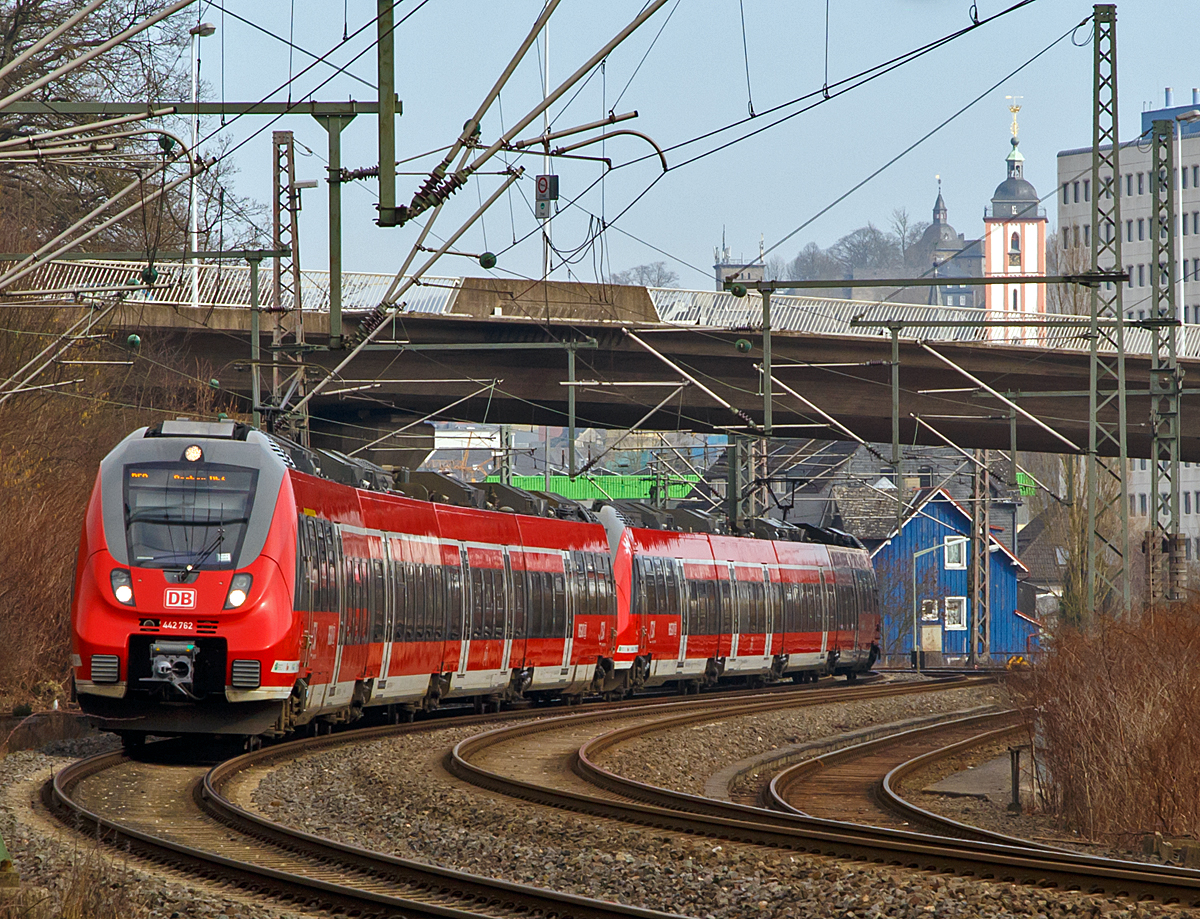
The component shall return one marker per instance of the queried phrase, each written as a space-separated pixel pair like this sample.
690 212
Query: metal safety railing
229 286
829 316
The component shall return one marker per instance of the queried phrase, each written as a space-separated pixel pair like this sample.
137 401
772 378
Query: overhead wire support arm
435 191
1075 448
399 288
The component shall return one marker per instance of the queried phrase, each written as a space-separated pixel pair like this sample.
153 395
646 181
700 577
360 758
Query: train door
306 587
828 611
384 612
768 611
339 606
506 648
569 623
684 608
735 617
464 647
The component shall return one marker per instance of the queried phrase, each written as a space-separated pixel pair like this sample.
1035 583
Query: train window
477 601
725 604
498 612
398 604
412 602
452 601
519 610
672 587
533 602
560 606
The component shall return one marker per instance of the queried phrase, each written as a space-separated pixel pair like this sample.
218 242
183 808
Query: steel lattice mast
1107 572
1164 378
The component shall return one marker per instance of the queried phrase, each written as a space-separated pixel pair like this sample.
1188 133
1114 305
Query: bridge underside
455 355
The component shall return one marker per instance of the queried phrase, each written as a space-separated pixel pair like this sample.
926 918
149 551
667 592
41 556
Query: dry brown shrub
93 886
51 444
1118 713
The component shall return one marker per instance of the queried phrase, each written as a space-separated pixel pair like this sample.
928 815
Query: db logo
180 598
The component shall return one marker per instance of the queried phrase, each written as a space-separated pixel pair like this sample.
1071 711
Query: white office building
1074 240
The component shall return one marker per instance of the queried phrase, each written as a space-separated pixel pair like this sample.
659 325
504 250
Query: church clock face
1014 259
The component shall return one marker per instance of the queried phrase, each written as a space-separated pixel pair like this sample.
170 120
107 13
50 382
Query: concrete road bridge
503 346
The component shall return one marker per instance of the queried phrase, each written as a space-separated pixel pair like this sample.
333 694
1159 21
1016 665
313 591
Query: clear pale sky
694 79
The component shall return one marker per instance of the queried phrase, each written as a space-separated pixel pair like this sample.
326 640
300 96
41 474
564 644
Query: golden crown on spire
1014 106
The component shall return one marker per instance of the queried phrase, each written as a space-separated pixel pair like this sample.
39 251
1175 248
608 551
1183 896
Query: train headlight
122 585
239 589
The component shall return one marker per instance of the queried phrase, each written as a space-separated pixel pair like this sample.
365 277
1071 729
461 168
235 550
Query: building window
1187 502
1185 225
1184 176
1196 177
1142 503
1087 185
1087 234
1128 184
1076 192
1143 465
1187 549
1066 193
955 550
1133 504
1015 307
1196 221
956 614
1142 315
1066 237
1014 242
1195 269
1129 277
1141 183
1128 231
1141 229
1141 275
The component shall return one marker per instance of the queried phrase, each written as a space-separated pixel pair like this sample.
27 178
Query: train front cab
181 612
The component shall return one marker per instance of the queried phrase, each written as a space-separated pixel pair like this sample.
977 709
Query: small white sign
541 209
286 667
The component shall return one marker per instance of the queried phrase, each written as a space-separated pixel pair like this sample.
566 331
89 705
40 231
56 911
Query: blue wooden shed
932 553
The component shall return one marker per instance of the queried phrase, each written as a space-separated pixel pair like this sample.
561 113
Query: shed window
955 550
956 614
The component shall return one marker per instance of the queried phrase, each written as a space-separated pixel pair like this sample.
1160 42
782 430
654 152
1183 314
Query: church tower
1014 241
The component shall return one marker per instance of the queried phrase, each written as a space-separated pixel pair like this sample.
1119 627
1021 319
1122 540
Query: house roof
1039 553
929 495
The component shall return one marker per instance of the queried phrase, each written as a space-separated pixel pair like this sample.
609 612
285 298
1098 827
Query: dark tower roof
1015 197
939 236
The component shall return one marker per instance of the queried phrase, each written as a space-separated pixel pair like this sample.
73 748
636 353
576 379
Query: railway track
170 811
175 815
483 760
857 783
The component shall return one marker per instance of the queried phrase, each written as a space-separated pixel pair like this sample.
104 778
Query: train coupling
173 663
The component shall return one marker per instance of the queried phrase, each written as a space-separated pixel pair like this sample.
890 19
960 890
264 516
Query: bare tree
654 274
812 263
40 201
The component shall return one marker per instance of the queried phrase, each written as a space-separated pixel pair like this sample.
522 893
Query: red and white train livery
220 589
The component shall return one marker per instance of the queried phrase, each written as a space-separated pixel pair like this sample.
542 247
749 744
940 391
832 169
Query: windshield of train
187 515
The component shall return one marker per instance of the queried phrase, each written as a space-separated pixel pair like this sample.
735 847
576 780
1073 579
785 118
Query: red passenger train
225 586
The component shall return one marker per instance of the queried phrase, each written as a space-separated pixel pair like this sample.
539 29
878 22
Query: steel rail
479 892
757 826
891 797
777 794
430 891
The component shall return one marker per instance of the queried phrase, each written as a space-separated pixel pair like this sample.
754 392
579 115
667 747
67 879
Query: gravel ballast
395 796
64 873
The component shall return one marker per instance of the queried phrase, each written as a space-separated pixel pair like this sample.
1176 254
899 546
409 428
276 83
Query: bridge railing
828 316
228 286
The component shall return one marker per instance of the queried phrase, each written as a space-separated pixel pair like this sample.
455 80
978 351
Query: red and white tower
1014 242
